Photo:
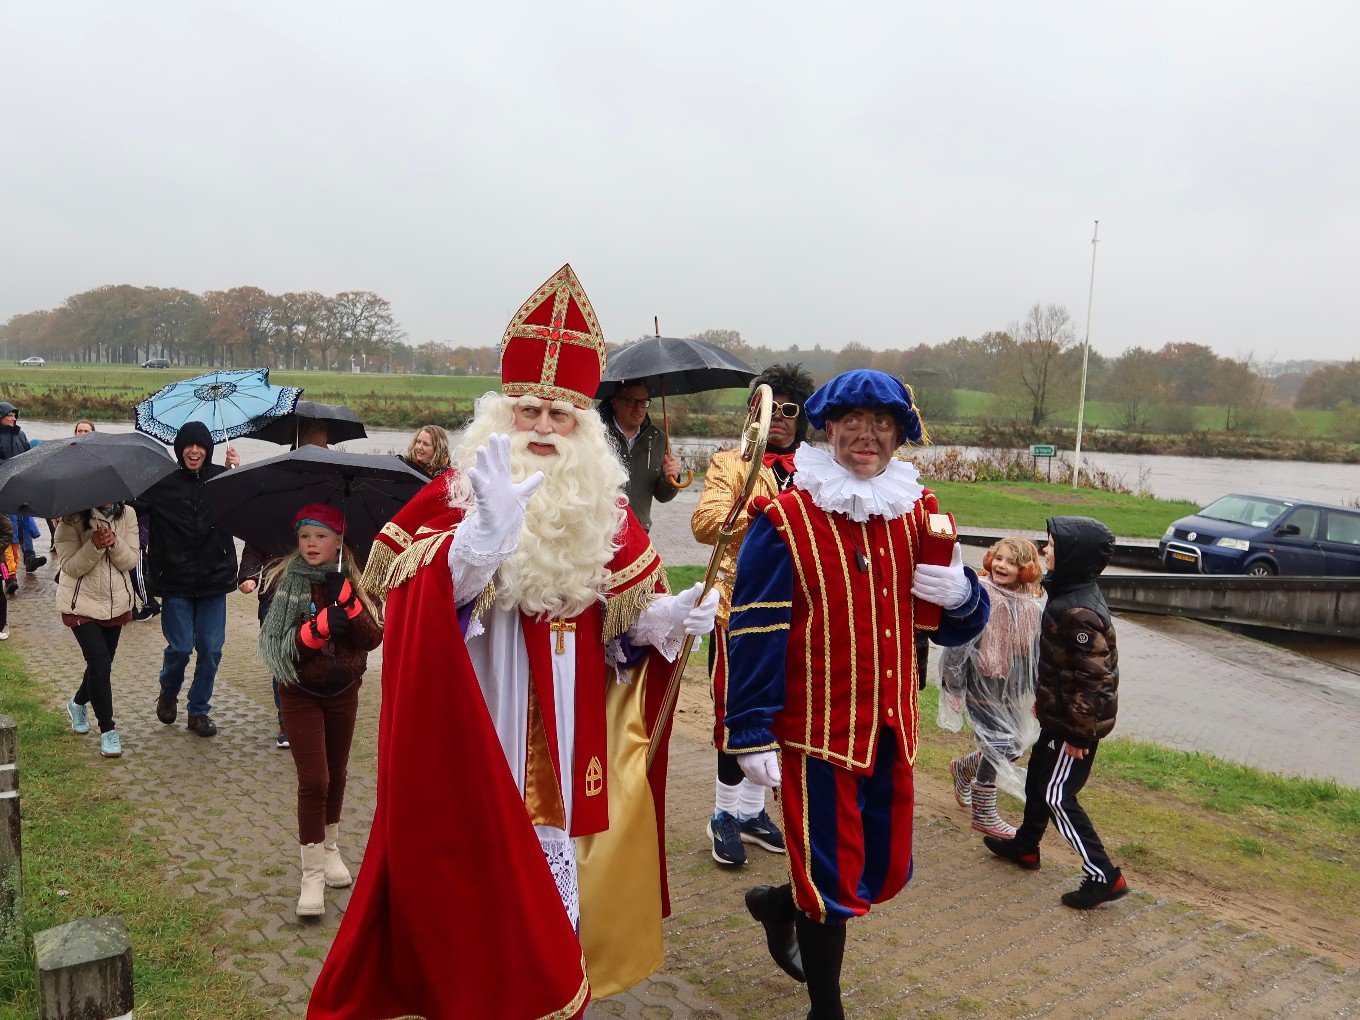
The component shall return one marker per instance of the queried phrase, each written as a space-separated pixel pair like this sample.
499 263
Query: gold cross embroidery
560 629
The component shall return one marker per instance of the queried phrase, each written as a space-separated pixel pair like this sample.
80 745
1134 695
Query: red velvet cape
454 913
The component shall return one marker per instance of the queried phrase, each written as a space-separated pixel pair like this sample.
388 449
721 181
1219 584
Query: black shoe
281 741
1093 892
725 832
774 909
1013 851
166 709
145 612
11 587
32 563
202 725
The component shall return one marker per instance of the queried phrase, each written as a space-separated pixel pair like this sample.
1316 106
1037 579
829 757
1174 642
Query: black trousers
98 645
1052 783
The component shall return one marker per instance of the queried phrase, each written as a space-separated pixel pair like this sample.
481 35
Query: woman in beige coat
98 549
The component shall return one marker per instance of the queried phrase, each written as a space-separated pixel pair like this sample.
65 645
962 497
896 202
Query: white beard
572 524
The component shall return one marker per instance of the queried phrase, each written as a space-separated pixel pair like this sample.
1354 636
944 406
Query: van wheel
1261 569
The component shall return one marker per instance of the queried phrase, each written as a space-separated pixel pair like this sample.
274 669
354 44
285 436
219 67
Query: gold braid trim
623 609
374 580
419 554
485 600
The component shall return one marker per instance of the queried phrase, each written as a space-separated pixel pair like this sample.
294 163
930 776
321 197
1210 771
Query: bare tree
1035 367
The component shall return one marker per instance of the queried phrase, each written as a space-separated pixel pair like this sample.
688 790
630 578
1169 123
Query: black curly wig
793 382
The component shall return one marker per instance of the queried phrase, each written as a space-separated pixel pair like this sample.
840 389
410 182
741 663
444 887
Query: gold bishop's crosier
754 436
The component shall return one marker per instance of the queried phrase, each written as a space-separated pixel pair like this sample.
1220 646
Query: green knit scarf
291 604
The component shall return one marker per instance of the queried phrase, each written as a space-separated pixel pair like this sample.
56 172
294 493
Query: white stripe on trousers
1054 794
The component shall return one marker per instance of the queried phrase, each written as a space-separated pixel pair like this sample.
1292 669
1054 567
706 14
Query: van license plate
1183 557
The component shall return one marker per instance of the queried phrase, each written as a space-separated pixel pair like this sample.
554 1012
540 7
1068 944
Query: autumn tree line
1032 368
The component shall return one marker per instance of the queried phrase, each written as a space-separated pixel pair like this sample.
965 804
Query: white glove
947 587
500 502
693 616
762 767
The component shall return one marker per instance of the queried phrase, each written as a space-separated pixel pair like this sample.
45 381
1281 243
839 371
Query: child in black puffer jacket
1076 699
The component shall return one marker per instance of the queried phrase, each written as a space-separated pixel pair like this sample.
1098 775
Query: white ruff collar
837 491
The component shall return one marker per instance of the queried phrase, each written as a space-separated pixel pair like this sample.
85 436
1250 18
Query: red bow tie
784 460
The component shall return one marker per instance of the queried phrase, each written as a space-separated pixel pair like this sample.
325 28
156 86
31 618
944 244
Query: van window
1344 528
1244 510
1306 519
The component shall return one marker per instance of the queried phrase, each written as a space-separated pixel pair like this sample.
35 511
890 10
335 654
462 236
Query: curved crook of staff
754 436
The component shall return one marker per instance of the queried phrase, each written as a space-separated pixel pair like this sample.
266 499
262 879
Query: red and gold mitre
553 348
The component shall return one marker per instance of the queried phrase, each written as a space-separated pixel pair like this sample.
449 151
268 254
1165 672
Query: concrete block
84 970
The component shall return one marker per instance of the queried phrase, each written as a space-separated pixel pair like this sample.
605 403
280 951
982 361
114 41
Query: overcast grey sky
887 172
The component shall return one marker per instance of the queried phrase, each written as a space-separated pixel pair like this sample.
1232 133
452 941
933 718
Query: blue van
1263 536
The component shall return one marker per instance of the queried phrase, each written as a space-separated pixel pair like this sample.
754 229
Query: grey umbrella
65 476
341 423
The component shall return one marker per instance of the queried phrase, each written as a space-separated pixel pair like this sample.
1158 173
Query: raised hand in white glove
500 502
947 587
762 767
693 616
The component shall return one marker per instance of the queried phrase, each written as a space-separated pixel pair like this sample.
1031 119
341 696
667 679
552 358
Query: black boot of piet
773 907
823 949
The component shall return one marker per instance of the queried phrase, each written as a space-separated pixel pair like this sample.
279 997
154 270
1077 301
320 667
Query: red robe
455 913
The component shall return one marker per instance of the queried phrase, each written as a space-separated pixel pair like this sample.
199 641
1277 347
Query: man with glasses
821 698
641 447
739 814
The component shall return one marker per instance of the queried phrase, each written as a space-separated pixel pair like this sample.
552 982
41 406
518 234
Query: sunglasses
789 410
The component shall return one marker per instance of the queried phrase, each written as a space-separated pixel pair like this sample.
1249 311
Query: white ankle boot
337 875
312 901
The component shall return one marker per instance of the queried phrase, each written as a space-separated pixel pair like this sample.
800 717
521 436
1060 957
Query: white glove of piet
947 587
761 768
500 502
693 616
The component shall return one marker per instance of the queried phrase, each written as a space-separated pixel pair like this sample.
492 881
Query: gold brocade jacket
723 483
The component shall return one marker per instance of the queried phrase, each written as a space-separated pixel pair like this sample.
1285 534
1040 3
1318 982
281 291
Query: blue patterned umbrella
231 404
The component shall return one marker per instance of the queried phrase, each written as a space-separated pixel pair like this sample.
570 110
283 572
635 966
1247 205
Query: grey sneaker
4 633
109 745
80 716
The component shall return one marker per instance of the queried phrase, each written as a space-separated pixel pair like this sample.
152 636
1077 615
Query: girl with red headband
316 639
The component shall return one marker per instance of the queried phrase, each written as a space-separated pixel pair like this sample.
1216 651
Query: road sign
1042 450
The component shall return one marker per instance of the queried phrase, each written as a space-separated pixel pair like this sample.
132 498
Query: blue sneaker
762 831
109 745
725 832
80 716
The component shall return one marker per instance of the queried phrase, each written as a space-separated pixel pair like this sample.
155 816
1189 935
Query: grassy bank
1025 506
81 861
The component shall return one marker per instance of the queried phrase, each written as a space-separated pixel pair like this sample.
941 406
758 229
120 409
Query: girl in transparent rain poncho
992 679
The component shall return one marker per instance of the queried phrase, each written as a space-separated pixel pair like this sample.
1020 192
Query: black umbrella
674 366
65 476
257 503
671 365
341 423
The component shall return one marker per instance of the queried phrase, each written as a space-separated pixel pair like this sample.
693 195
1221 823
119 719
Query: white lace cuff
656 626
472 568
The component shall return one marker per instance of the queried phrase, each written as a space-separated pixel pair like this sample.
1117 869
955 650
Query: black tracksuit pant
1052 783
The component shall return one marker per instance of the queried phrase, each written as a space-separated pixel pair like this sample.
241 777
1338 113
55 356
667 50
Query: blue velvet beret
864 387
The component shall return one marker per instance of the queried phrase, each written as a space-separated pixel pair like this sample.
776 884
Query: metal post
1085 356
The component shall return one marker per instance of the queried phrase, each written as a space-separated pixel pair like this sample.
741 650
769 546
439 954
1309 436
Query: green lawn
1024 506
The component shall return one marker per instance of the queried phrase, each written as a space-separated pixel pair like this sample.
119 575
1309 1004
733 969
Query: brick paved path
972 936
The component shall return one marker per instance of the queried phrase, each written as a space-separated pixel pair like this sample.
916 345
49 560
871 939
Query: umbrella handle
666 427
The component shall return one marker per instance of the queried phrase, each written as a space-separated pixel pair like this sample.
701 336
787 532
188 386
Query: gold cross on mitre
561 628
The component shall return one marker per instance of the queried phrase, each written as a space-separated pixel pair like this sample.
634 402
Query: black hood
193 433
1082 549
7 408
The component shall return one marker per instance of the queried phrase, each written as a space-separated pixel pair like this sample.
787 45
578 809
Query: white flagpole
1085 357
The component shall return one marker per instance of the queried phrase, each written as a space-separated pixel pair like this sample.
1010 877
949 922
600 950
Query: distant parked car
156 363
33 362
1263 536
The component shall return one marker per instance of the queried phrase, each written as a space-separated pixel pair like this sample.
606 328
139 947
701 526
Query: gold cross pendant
560 628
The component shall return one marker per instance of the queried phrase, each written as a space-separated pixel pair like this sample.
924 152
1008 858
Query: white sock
751 799
728 798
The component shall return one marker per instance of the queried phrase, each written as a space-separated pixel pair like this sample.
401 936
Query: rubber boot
823 949
985 817
964 770
337 875
312 900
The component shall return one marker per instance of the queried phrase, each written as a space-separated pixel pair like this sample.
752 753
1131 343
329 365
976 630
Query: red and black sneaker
1013 851
1093 892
